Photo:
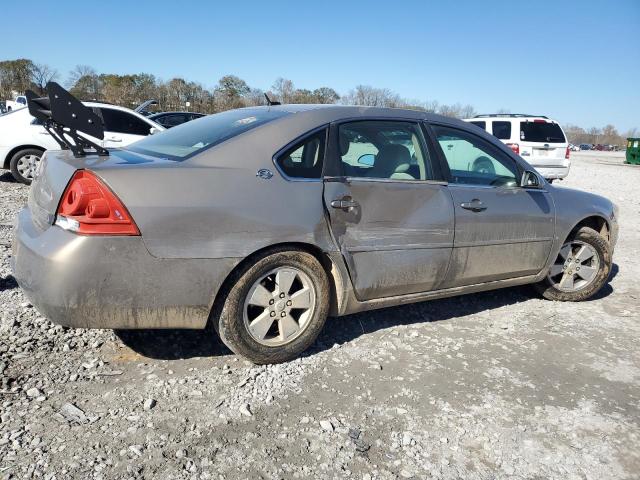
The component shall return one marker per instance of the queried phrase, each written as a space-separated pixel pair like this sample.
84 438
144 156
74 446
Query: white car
536 138
23 139
19 102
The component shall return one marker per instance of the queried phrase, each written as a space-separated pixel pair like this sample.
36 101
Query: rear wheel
580 270
276 308
24 164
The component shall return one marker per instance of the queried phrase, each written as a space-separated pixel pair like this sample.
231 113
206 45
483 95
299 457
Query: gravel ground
492 385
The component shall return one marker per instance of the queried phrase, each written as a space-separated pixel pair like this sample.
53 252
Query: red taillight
567 153
515 147
539 120
89 207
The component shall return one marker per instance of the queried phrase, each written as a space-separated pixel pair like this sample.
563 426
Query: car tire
588 237
258 319
16 164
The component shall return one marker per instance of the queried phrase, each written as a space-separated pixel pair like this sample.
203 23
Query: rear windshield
188 139
541 132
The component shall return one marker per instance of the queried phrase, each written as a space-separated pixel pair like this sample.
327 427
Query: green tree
15 77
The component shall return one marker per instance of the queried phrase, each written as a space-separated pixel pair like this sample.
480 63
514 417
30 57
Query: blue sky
576 61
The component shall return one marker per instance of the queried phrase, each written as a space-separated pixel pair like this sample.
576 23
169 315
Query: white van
536 138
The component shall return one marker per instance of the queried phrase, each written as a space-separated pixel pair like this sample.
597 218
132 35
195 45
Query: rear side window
191 138
384 150
541 132
123 122
304 159
482 125
501 130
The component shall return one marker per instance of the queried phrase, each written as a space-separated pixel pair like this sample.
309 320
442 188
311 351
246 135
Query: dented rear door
395 234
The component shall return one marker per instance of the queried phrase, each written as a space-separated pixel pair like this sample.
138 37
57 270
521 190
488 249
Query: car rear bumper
553 172
111 282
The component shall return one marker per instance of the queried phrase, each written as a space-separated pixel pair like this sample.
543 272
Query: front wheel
580 270
276 308
24 164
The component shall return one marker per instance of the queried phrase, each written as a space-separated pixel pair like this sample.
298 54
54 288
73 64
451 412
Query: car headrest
392 158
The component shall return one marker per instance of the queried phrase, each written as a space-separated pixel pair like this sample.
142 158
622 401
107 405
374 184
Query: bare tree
431 106
631 133
467 111
372 97
42 74
78 72
594 134
284 90
84 83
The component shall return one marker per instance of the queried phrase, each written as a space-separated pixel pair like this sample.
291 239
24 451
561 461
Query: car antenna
64 117
271 102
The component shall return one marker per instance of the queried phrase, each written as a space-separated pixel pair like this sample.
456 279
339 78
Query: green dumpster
633 150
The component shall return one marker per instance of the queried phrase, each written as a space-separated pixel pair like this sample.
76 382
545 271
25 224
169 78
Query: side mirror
367 159
531 180
153 131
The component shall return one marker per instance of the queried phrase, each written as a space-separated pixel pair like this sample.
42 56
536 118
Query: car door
391 217
122 128
502 230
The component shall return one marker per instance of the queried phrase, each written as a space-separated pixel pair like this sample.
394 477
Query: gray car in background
262 221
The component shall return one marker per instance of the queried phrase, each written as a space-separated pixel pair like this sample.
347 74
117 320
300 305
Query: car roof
508 117
159 114
107 105
332 112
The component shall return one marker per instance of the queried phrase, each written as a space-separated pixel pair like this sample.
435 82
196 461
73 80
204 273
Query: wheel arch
334 272
7 160
595 221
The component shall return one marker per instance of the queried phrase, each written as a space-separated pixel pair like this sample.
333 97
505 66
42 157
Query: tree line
232 92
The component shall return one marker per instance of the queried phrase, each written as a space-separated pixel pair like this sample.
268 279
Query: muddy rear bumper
111 282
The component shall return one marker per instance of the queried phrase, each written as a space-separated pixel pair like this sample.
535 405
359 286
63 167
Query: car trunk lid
58 166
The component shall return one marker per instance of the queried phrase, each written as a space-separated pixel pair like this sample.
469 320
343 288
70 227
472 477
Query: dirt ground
498 385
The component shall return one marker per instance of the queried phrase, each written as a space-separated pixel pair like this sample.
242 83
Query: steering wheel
483 165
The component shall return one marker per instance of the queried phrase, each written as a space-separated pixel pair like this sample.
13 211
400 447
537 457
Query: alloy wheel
575 268
279 306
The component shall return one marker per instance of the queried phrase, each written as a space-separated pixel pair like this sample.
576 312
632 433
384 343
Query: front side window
501 130
472 161
304 159
123 122
191 138
384 149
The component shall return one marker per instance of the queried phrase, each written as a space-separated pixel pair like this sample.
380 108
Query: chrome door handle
474 205
345 204
114 139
